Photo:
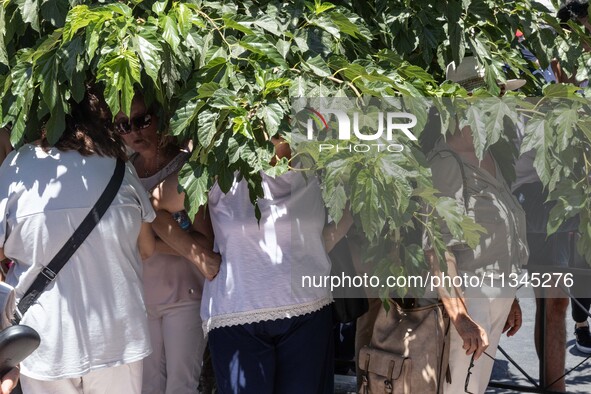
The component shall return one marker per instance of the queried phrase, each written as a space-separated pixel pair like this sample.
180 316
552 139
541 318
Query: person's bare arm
146 241
195 245
164 248
9 380
560 75
474 336
5 146
514 319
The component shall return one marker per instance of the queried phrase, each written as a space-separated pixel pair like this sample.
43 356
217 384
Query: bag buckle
48 273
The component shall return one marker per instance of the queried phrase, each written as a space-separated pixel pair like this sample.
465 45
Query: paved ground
521 349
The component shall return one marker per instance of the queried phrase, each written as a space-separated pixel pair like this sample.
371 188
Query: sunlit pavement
521 349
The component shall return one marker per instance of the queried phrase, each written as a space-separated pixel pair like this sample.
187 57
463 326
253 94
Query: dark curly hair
573 10
89 128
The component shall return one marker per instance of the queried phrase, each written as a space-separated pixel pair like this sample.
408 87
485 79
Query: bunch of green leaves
225 73
559 129
431 33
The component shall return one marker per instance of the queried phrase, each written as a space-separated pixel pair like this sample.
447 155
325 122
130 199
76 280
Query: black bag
16 344
349 302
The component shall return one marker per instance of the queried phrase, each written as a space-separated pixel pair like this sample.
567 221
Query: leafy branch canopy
225 73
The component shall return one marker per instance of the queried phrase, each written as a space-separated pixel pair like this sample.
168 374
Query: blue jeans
292 355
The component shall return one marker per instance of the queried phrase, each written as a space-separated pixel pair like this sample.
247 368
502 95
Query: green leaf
195 181
119 72
169 72
271 114
365 201
460 226
325 22
344 24
474 119
261 46
159 6
280 168
336 200
455 27
207 89
56 124
148 49
415 72
207 127
55 11
471 231
537 136
76 19
319 7
21 79
70 55
268 22
497 111
564 125
299 87
30 12
318 66
119 8
48 79
3 53
233 149
240 26
559 90
93 34
78 87
183 16
276 84
243 126
170 32
570 200
184 116
18 128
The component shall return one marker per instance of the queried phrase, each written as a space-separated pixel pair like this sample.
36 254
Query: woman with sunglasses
174 275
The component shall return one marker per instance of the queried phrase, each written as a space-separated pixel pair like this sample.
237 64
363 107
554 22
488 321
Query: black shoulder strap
49 272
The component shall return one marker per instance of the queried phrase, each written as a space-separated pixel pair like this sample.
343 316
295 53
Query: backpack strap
465 193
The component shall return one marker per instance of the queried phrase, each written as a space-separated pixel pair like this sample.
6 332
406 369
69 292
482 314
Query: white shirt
263 263
93 315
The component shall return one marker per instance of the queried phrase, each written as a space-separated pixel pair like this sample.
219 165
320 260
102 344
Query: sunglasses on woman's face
137 123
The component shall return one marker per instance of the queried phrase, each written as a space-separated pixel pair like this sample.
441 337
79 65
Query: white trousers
489 307
123 379
176 335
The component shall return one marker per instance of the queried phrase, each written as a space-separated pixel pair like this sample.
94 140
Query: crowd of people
134 308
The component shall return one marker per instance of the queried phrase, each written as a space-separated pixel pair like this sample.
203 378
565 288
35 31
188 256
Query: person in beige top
479 314
173 277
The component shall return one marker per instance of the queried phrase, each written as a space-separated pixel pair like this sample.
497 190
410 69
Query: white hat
470 75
